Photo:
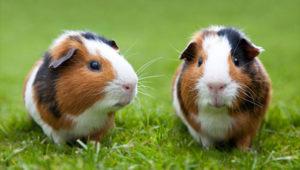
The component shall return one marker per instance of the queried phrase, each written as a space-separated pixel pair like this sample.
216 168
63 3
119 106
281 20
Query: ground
148 135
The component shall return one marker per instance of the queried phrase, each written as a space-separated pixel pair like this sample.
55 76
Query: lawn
148 135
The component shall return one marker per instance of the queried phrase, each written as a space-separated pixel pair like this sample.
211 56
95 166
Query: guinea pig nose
216 87
128 87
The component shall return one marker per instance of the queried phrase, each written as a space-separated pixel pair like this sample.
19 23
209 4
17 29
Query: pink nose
128 87
216 87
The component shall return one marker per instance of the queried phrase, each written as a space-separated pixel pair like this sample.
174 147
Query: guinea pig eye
200 61
94 66
236 61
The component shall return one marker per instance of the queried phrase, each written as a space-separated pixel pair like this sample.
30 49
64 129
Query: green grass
148 135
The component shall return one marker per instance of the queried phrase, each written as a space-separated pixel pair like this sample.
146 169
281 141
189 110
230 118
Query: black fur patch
44 85
92 36
235 38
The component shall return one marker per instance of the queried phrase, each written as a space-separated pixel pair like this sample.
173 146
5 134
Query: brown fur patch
78 88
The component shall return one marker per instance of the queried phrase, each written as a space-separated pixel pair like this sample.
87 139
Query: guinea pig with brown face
75 89
221 90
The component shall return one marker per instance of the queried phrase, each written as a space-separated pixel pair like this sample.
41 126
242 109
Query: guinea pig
221 90
74 91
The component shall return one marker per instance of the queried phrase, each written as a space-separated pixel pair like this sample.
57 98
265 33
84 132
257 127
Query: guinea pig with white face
221 90
75 89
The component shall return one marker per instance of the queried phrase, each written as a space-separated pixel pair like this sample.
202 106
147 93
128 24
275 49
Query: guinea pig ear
190 52
56 63
113 44
251 49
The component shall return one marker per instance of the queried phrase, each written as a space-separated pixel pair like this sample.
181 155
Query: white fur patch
87 122
215 122
216 28
217 50
216 70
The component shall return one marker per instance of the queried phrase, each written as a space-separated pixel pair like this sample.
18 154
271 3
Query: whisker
130 55
136 101
145 94
146 65
245 93
131 46
253 101
148 77
174 48
144 82
144 86
251 91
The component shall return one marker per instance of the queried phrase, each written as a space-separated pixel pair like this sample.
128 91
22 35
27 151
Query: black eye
236 61
94 66
200 61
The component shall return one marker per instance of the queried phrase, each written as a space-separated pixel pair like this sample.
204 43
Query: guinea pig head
90 73
218 63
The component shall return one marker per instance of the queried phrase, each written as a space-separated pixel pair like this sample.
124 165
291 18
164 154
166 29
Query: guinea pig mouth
124 101
217 102
122 104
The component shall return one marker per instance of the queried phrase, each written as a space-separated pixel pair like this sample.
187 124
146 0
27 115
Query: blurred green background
146 30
